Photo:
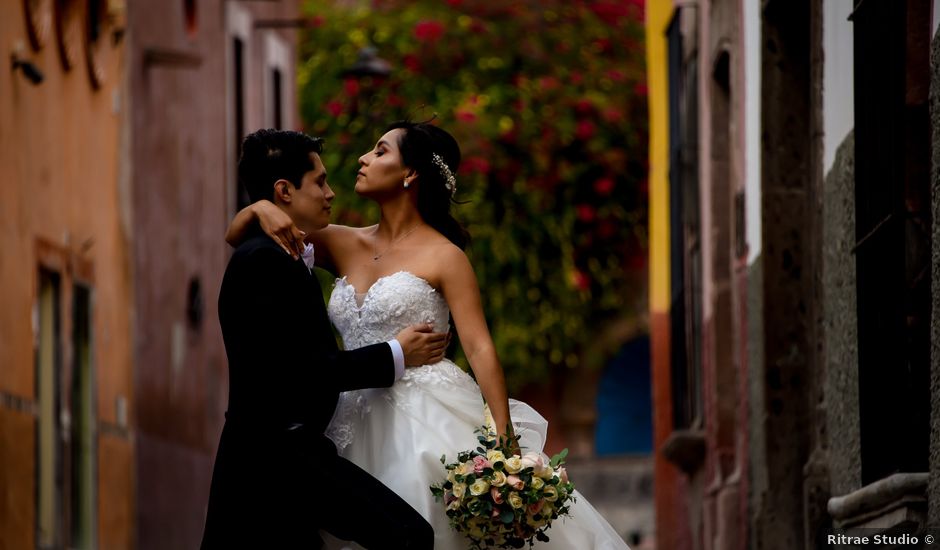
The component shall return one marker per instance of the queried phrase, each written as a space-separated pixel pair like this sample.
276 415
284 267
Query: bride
411 268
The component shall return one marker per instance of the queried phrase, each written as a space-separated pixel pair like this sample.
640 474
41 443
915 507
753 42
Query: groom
277 478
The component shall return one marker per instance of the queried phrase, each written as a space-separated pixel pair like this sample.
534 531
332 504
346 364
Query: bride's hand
278 225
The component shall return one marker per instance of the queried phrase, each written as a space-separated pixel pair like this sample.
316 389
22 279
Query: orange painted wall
62 203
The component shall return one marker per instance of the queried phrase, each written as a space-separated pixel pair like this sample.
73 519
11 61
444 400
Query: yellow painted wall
658 15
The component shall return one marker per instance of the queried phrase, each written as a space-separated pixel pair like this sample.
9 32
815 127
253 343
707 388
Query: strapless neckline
361 297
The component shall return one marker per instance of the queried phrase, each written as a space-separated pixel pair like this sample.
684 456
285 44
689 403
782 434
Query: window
685 254
276 99
238 73
892 251
48 442
83 433
190 15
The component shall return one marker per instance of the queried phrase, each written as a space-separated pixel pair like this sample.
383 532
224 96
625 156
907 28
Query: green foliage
547 100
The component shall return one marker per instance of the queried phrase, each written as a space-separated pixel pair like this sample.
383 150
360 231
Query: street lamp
368 64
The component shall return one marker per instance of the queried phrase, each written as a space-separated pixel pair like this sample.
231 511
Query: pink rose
563 474
536 507
495 494
480 463
515 482
532 460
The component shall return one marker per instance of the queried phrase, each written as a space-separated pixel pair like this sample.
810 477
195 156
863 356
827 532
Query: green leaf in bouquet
499 466
444 459
506 516
559 459
541 536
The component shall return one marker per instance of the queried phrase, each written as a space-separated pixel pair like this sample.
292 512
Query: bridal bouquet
500 499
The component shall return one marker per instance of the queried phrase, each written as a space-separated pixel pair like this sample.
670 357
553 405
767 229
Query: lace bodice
391 304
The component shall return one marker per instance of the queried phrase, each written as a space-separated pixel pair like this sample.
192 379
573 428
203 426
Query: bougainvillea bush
547 99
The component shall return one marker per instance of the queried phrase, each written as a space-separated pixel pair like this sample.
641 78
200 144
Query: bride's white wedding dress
398 434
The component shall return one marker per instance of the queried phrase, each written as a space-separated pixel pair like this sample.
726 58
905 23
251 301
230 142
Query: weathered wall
59 186
840 329
933 502
183 153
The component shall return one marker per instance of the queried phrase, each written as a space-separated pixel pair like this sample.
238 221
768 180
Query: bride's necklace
377 255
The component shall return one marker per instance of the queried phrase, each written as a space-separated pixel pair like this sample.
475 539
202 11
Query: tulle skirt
399 434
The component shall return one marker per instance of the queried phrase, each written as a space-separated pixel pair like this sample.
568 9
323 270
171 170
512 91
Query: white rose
537 483
459 489
515 500
499 479
465 468
495 456
545 473
514 465
550 493
479 487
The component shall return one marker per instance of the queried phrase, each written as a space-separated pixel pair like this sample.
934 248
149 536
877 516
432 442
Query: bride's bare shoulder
344 234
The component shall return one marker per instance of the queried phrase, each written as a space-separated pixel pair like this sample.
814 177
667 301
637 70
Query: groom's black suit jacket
285 375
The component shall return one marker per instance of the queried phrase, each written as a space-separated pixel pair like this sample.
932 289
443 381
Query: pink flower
549 83
583 106
613 115
532 460
515 482
536 507
585 130
412 62
580 281
603 44
495 494
480 463
607 229
496 512
429 30
585 212
351 86
615 75
472 165
563 474
334 107
604 186
466 116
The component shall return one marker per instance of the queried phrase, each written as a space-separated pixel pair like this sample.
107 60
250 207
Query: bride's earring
407 184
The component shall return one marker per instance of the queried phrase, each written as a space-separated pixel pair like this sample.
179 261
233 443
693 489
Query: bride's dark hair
418 142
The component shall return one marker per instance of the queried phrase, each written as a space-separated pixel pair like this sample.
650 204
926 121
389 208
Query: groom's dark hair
269 155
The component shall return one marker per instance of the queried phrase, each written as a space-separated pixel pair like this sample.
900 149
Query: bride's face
381 169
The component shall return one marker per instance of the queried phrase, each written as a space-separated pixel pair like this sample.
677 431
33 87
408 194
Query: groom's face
310 203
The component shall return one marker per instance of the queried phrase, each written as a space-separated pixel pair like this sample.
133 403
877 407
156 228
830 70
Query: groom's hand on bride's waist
422 346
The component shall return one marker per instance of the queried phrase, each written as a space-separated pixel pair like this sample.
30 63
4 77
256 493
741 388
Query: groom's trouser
372 514
277 490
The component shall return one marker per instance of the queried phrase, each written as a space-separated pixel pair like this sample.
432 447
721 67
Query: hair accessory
450 182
